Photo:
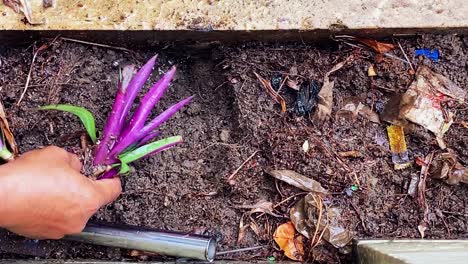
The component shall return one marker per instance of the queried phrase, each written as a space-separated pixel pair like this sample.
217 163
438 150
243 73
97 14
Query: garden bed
231 118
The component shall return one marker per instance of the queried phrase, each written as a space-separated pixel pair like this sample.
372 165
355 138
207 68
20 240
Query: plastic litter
396 137
426 102
431 54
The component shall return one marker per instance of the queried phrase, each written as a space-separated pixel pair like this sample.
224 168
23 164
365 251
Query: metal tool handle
160 242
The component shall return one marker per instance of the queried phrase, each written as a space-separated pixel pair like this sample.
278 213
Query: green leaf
85 116
124 168
128 157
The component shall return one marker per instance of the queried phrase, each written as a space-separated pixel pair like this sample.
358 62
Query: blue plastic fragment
431 54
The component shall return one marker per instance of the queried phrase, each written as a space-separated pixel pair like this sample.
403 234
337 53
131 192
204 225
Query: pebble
224 135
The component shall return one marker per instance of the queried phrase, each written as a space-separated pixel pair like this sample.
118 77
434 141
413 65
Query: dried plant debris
297 180
446 167
260 207
426 102
292 245
325 96
5 131
353 106
274 94
377 46
314 220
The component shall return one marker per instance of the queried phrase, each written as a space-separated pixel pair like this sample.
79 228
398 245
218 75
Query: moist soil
233 117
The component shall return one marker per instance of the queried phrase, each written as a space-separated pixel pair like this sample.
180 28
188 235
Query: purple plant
125 139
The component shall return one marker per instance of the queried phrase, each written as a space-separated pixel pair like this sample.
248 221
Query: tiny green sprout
354 187
271 259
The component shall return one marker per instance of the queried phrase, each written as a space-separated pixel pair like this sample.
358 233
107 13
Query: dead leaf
21 6
297 180
276 96
371 71
314 220
464 124
325 96
352 107
255 228
260 207
285 237
242 228
377 46
5 130
446 167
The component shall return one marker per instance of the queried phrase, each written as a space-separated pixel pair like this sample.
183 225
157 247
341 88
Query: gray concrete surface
243 15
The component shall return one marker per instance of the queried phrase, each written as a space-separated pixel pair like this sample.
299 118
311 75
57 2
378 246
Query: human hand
43 194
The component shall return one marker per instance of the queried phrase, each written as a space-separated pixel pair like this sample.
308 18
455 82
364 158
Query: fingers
108 190
74 161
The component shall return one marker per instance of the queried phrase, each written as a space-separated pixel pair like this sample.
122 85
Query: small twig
97 44
406 57
231 177
239 250
358 212
28 79
395 57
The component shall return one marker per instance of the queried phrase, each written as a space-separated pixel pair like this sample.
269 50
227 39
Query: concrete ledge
249 17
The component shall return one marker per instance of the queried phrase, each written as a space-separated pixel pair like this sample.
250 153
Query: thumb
108 190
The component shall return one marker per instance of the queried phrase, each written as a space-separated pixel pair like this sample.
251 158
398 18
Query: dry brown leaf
297 180
276 96
242 228
464 124
314 220
352 107
446 167
285 237
377 46
371 71
5 130
260 207
325 96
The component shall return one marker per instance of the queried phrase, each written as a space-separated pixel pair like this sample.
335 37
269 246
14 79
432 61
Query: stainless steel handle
161 242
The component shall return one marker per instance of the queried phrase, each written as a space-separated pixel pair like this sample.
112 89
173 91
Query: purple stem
108 174
147 103
136 136
113 127
123 101
135 86
114 172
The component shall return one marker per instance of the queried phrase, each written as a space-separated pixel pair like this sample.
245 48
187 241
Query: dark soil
186 189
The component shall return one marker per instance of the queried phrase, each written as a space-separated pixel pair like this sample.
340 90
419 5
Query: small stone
224 135
189 164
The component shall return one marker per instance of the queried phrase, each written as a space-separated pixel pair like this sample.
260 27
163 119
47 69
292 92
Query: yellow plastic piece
396 137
